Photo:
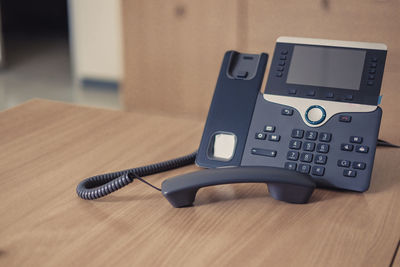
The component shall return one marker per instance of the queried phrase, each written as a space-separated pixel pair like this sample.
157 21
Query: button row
356 165
372 71
309 146
305 168
271 137
347 163
311 135
282 61
306 157
330 95
359 148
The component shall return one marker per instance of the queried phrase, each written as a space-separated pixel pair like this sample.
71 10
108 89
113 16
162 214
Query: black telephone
316 124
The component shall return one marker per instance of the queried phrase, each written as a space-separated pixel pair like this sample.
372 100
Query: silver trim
332 108
325 42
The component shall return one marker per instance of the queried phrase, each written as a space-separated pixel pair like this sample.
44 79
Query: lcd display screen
328 67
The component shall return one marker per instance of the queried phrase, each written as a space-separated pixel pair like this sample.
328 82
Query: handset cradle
284 185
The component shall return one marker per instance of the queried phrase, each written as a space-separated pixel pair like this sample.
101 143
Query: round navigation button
315 114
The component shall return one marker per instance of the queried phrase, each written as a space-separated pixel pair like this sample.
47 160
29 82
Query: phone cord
101 185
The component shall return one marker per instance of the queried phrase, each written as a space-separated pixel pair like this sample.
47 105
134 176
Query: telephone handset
239 82
317 123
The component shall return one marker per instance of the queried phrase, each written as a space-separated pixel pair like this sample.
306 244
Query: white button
315 114
224 146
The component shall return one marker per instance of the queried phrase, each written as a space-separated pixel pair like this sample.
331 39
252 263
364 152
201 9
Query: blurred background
61 50
163 56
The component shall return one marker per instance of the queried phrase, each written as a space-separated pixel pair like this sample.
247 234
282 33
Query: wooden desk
48 147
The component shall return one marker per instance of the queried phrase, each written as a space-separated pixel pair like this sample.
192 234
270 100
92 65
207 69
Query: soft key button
315 114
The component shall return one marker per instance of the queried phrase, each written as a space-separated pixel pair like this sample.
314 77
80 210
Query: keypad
308 150
302 150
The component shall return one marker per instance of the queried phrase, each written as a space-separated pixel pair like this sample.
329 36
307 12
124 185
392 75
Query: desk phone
318 115
316 124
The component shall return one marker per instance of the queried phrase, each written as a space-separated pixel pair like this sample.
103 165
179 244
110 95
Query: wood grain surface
48 147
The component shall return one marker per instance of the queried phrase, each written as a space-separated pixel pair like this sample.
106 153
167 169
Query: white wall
96 39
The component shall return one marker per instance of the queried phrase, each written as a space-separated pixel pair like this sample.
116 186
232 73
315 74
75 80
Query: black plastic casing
233 104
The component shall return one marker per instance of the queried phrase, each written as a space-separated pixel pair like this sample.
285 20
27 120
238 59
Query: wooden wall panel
173 51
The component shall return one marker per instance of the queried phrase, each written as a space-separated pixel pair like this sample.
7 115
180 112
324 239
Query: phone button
318 171
362 149
291 166
287 112
356 139
269 128
349 173
346 147
315 114
261 136
304 168
274 137
343 163
263 152
345 118
359 165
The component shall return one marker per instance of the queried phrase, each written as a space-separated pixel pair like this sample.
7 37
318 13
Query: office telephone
316 124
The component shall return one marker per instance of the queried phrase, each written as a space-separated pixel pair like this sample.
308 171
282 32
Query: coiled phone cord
101 185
